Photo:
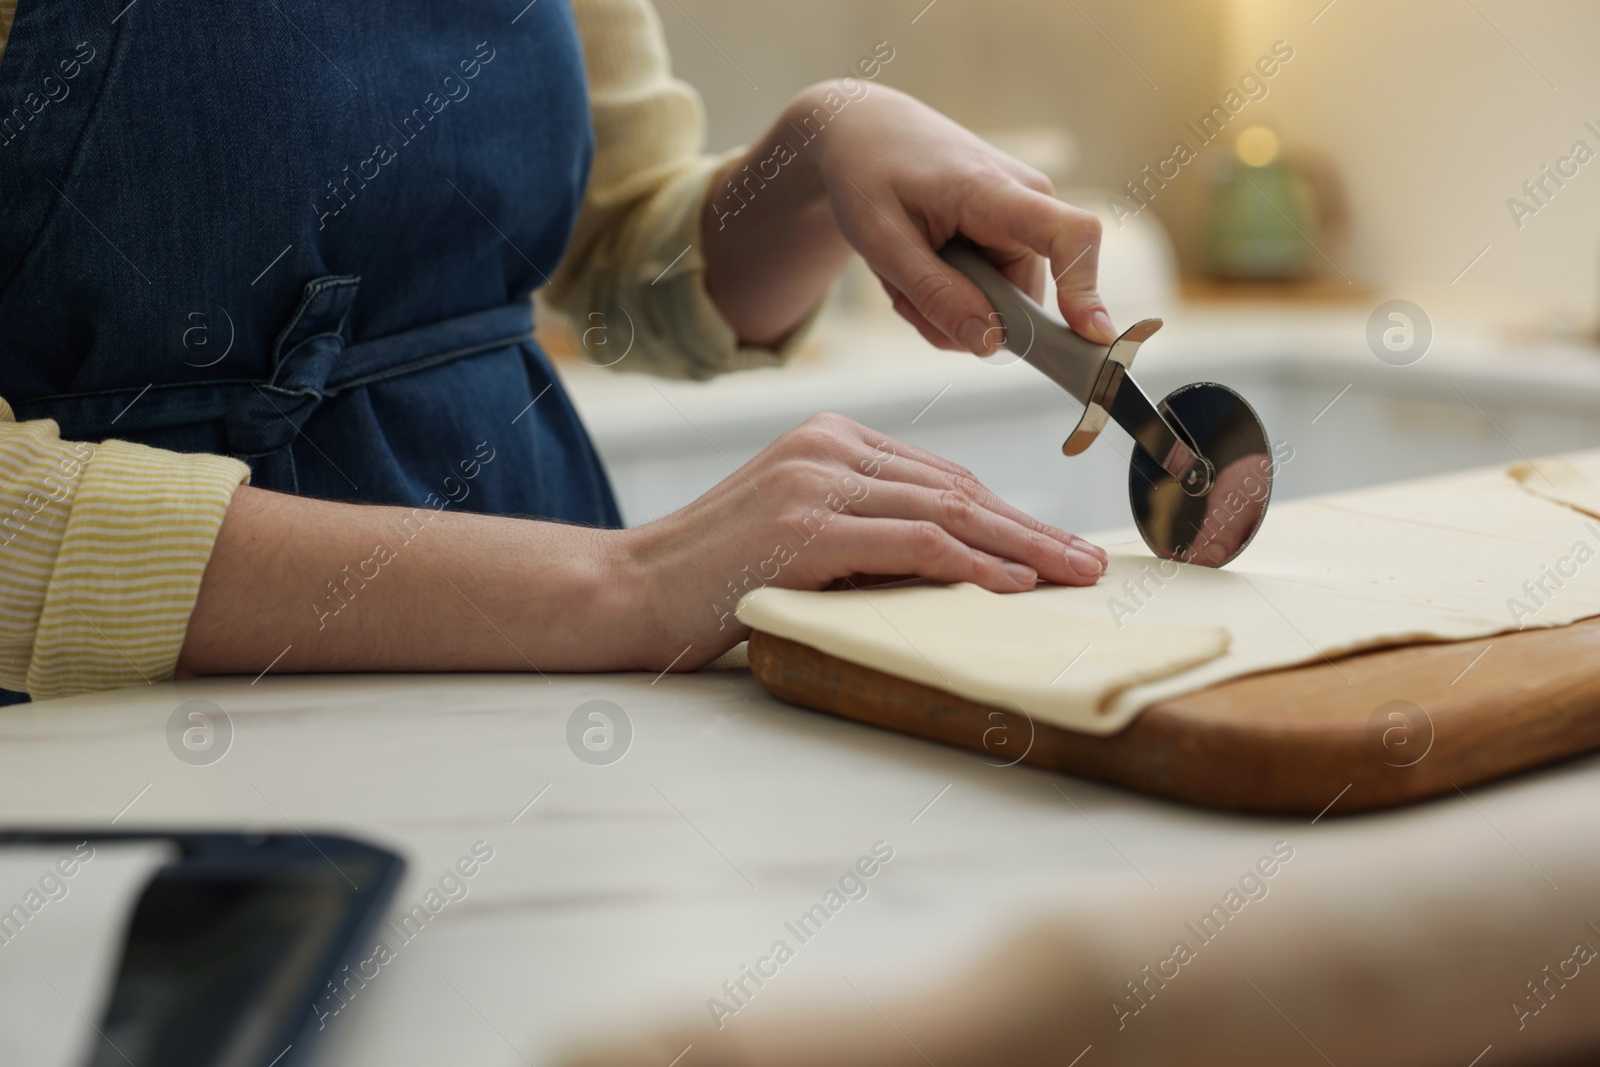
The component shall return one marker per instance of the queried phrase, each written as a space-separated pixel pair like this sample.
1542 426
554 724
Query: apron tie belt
311 362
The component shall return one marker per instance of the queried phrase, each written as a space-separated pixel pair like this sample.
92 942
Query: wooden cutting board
1329 737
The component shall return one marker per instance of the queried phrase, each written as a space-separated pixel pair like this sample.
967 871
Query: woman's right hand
832 501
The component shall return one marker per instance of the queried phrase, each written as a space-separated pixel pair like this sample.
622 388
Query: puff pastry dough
1439 559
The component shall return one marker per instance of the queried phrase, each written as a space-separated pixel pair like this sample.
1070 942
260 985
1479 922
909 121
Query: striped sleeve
102 548
634 261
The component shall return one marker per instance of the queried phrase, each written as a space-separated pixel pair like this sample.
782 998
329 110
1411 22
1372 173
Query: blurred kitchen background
1378 164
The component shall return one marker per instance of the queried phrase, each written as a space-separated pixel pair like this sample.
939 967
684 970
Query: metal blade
1159 433
1213 527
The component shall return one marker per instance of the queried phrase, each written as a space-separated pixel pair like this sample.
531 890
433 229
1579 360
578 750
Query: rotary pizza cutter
1201 473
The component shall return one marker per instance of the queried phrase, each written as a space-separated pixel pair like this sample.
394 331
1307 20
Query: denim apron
303 233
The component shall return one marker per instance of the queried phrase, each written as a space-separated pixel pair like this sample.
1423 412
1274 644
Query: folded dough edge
1054 666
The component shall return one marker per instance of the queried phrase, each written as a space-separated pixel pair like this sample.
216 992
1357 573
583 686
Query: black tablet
233 942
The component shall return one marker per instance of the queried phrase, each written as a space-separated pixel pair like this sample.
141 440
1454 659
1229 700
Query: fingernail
1102 324
1023 575
1090 547
974 334
1085 564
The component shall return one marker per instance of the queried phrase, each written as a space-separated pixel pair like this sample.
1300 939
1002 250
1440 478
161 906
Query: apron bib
303 234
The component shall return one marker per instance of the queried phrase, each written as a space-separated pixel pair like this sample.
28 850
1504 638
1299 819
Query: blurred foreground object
1301 960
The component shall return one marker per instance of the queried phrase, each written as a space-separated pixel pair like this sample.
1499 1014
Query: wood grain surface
1365 732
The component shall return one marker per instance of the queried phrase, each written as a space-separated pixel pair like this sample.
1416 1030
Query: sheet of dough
1438 559
1570 480
1008 651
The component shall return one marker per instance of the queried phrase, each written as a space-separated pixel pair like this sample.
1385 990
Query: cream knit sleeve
634 265
102 548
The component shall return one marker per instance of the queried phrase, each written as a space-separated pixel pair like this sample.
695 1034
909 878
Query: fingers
1017 226
1028 272
879 480
932 471
1008 214
901 255
925 549
962 481
964 517
930 333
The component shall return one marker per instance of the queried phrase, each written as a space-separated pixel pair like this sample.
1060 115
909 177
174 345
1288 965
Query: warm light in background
1413 158
1257 146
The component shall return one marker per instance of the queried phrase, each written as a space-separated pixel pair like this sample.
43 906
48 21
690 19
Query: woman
265 331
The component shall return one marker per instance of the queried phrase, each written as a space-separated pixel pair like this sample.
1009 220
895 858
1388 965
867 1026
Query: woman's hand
831 502
903 180
859 165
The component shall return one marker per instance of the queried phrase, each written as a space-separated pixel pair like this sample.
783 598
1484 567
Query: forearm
771 244
346 587
298 584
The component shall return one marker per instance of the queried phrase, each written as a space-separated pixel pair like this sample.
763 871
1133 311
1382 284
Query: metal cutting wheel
1201 476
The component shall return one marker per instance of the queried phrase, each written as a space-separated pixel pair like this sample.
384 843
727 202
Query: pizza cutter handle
1094 375
1065 357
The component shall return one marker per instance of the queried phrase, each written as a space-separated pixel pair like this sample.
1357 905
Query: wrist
631 599
818 117
802 127
681 603
569 597
613 601
771 241
778 176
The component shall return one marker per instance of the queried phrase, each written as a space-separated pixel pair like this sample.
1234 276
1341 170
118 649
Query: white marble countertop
630 891
633 890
